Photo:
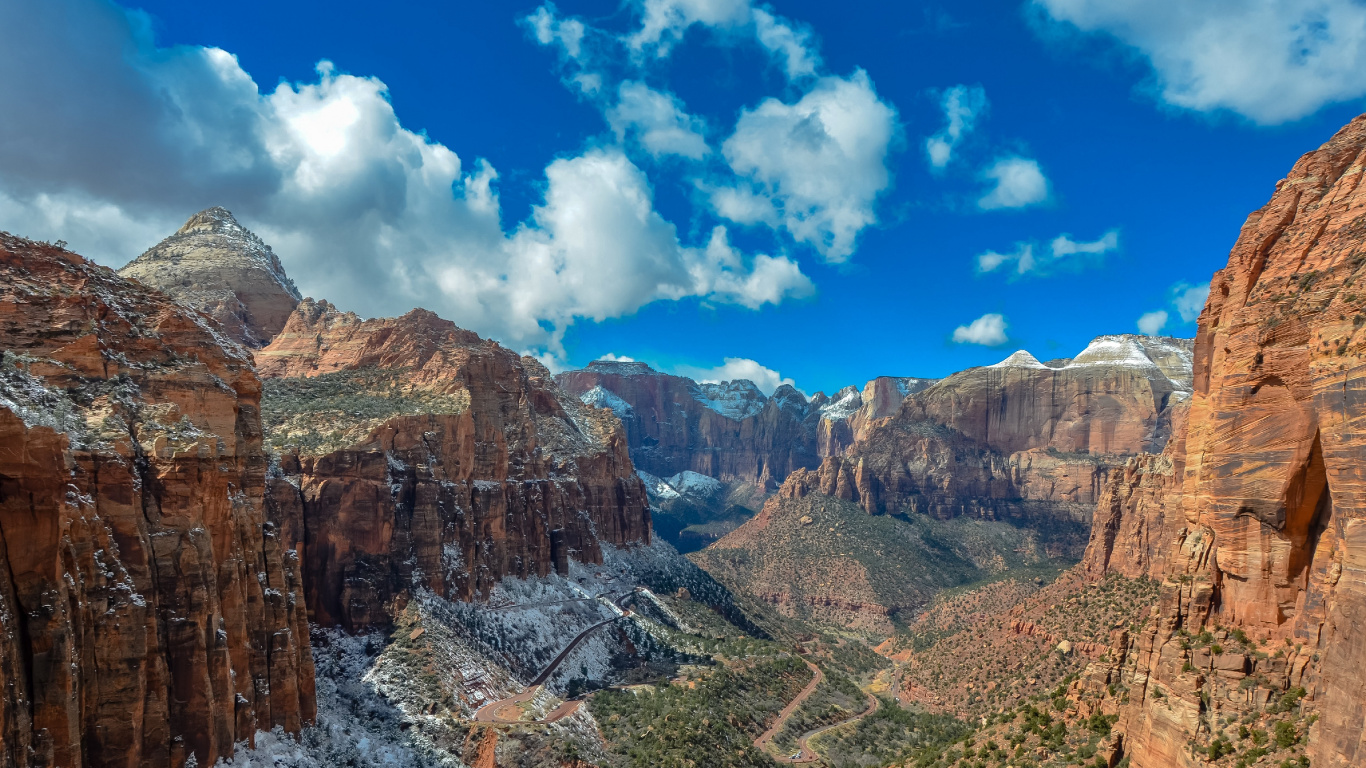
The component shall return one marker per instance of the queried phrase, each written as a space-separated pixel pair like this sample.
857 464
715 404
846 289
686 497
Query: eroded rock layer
729 431
221 269
421 456
1016 438
148 595
1264 597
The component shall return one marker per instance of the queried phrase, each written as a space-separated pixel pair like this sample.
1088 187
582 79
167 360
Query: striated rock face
421 456
1018 437
1138 518
218 267
1272 538
729 431
149 607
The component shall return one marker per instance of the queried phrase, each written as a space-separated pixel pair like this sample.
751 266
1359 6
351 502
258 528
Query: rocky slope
824 560
1264 589
1014 439
421 456
148 589
218 267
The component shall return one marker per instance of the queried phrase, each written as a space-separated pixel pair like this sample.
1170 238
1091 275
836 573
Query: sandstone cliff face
218 267
421 456
1015 438
1272 537
673 424
149 607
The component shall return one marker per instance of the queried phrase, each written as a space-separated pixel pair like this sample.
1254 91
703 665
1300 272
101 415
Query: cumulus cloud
615 358
362 210
962 106
1189 300
765 378
663 23
821 162
1271 61
657 120
989 330
550 29
1063 252
788 43
1152 323
1018 183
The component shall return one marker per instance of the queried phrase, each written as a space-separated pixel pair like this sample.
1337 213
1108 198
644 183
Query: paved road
804 753
491 712
766 739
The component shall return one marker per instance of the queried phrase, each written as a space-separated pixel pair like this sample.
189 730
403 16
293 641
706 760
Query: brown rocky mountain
419 454
148 609
1019 438
218 267
1266 553
729 431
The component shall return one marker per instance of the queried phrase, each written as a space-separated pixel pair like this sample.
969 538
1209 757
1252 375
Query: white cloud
615 358
1152 323
1063 252
988 330
657 120
663 22
820 161
1269 60
790 45
1064 245
363 211
1189 300
1022 257
550 29
1019 183
962 106
766 379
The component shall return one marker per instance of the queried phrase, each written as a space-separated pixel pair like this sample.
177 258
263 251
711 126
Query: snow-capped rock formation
218 267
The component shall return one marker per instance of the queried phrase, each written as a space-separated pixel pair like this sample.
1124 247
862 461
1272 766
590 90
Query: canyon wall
1019 438
729 431
148 592
1268 554
421 456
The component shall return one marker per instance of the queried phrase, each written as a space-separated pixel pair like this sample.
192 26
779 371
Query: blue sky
690 181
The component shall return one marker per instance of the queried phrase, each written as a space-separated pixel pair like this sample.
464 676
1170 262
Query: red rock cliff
729 431
1272 537
148 597
421 456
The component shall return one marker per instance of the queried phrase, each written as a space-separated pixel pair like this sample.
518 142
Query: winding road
804 753
491 712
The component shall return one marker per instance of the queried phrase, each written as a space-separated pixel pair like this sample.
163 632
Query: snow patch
737 400
844 404
1020 359
696 484
599 397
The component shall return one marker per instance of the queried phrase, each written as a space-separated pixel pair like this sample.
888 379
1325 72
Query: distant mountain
218 267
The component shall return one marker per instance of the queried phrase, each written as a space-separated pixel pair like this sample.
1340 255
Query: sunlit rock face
216 266
150 597
418 455
1019 438
1265 531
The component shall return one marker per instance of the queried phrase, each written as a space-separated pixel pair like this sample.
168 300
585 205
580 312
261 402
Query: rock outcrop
729 431
218 267
1015 438
421 456
1264 595
149 596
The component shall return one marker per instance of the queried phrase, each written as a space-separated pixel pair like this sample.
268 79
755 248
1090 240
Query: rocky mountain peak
217 266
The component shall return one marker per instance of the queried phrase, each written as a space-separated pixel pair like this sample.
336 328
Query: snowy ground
404 698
